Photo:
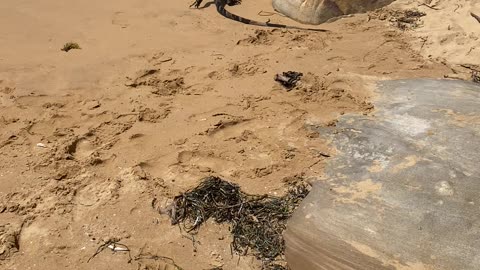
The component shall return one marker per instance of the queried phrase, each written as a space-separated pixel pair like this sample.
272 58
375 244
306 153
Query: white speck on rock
444 188
408 124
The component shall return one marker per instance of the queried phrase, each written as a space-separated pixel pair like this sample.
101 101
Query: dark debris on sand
70 46
257 221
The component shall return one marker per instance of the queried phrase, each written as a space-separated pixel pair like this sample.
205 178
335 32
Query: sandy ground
160 96
448 34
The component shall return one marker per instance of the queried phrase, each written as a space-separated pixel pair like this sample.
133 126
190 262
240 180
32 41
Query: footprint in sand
120 18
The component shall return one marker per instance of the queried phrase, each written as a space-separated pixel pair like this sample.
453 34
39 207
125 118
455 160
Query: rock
41 145
402 190
8 240
320 11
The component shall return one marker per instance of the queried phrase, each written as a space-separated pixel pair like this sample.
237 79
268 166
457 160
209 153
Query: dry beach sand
160 95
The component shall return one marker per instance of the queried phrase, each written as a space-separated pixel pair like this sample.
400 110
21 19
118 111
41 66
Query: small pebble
41 145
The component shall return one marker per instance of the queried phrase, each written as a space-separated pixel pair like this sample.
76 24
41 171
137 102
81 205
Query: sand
448 34
159 96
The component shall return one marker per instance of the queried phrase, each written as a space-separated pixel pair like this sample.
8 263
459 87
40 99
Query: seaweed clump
70 46
402 19
257 221
408 19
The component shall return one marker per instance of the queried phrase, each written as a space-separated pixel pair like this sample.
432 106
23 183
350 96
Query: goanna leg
234 2
196 4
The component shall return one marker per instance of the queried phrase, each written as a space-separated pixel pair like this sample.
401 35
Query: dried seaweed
402 19
408 19
70 46
257 222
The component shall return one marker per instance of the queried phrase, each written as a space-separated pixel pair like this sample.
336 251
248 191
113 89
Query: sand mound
449 32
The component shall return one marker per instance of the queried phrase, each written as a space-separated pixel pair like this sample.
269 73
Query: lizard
221 4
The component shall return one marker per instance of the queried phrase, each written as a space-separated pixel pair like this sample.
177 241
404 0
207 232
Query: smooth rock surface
319 11
403 191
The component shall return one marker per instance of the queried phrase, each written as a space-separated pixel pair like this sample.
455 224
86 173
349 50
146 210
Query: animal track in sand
159 84
290 40
260 37
97 193
205 162
121 19
83 148
249 68
153 116
225 124
335 89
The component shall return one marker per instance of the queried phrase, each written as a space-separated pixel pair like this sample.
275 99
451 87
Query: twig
166 60
114 246
223 114
148 73
315 163
194 242
471 67
368 53
267 13
424 39
148 256
431 7
456 8
475 16
471 49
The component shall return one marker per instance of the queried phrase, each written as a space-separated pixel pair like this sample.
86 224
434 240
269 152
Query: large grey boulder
403 191
319 11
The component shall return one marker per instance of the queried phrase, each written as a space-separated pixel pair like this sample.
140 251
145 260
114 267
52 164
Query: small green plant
70 46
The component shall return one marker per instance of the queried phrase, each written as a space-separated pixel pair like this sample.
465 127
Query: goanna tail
221 9
220 4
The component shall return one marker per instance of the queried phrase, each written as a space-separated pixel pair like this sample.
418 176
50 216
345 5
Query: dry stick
268 13
471 49
114 244
368 53
471 67
148 256
424 39
432 7
475 16
456 8
166 60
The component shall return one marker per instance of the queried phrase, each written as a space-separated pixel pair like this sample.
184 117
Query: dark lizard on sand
220 4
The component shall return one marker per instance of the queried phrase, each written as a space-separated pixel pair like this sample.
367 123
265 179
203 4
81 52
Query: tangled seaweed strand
257 221
476 76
